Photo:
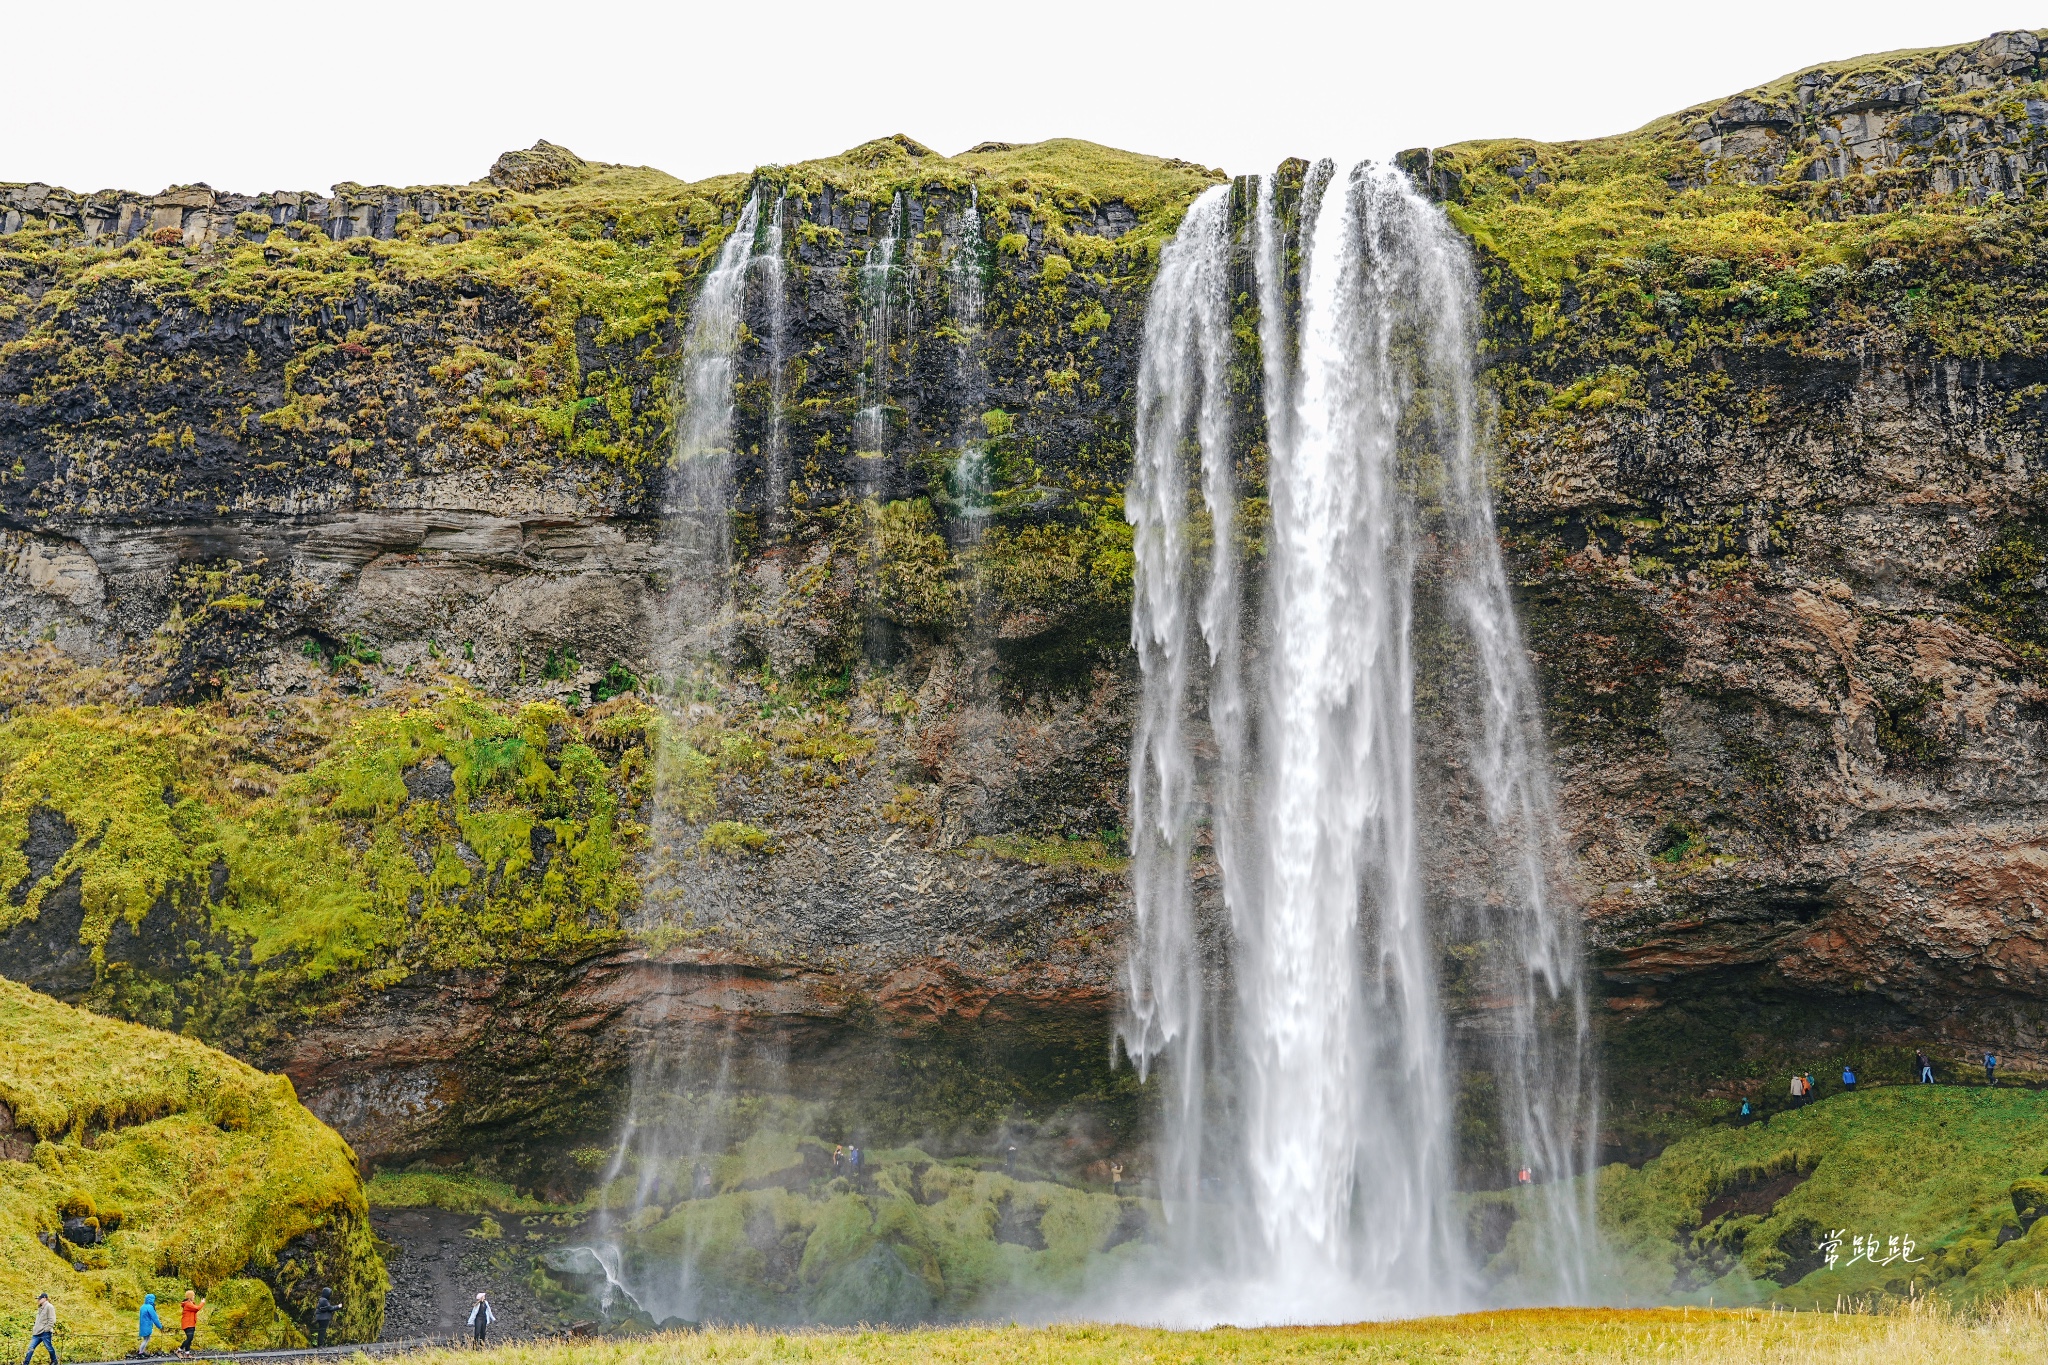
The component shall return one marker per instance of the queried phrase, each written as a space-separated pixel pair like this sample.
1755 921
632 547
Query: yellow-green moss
200 1165
331 874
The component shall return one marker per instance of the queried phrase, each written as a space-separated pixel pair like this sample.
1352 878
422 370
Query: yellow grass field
2015 1330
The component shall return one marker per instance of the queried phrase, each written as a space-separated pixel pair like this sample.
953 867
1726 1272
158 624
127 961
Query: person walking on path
1848 1077
1926 1068
1809 1089
44 1333
1745 1109
1991 1068
323 1316
1798 1091
481 1317
188 1318
147 1323
1116 1178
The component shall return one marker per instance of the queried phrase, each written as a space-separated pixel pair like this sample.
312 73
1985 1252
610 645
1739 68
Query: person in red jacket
188 1318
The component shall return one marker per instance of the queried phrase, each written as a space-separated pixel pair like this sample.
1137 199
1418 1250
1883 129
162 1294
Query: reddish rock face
440 1064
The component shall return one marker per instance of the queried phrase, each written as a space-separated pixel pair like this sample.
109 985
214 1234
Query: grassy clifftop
1895 194
192 1169
528 322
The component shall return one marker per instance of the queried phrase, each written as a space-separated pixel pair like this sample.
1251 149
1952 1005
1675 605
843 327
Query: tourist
701 1184
1991 1068
1924 1067
481 1317
323 1316
44 1333
1116 1178
147 1322
188 1318
1745 1109
1848 1077
1809 1087
1798 1091
1010 1160
838 1157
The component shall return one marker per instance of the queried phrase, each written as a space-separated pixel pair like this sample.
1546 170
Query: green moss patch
448 832
177 1166
780 1238
1754 1212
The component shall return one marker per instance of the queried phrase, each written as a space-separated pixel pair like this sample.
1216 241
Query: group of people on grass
148 1322
1804 1089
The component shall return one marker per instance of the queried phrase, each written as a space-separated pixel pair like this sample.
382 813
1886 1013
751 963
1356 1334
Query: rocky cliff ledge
335 527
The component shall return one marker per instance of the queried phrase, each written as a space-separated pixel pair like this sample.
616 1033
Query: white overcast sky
253 97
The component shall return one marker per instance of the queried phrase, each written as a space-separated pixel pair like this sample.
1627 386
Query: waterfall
700 475
775 283
1181 368
877 288
681 1095
964 286
1323 1136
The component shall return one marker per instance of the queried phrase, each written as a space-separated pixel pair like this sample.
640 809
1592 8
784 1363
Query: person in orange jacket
188 1318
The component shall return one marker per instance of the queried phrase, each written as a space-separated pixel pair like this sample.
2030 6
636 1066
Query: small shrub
732 838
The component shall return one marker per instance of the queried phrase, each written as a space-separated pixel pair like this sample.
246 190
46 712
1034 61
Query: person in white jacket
481 1317
43 1334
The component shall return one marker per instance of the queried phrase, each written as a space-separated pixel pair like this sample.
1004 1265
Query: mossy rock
202 1173
2030 1196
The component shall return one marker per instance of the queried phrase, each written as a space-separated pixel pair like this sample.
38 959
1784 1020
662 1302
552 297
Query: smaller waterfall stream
775 283
699 492
877 291
964 290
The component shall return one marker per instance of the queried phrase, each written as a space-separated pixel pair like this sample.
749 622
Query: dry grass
1925 1334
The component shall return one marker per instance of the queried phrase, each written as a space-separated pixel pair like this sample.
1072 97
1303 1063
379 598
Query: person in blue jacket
1848 1079
147 1322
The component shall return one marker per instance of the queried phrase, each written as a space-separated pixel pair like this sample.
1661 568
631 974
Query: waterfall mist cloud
255 97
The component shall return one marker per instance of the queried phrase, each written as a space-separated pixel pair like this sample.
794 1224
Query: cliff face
1773 460
334 528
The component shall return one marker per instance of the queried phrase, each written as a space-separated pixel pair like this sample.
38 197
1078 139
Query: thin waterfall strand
700 479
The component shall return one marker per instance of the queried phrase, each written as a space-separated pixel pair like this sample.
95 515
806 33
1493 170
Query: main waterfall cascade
1312 1070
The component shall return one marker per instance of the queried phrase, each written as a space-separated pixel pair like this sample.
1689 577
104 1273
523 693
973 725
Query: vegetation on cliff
1884 1194
141 1162
518 325
307 848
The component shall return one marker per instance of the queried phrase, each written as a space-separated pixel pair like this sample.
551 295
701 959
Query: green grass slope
200 1171
1746 1213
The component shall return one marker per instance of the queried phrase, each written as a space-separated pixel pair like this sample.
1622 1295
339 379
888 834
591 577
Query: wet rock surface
438 1266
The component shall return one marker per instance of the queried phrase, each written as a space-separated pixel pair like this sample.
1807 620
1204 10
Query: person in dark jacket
481 1317
323 1316
1923 1068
